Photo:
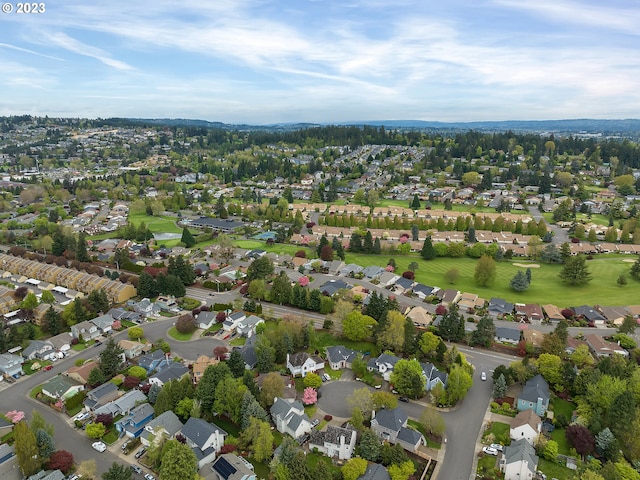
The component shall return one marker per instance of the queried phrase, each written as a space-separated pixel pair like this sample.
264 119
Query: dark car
403 399
141 452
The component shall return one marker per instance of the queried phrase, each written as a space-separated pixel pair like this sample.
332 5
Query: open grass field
559 436
278 248
164 224
546 286
562 407
553 470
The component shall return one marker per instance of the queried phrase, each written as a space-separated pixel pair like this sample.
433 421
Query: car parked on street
403 399
148 476
99 446
136 469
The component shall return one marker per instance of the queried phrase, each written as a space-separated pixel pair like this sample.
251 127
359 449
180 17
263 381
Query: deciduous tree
408 379
485 271
178 461
575 271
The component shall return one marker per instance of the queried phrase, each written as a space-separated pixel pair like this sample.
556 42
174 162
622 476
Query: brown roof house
526 425
420 316
602 348
531 312
553 313
302 363
81 374
200 365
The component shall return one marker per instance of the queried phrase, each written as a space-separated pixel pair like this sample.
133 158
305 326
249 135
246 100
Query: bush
130 382
328 418
186 324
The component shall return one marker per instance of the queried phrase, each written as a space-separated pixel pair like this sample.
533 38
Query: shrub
328 418
130 382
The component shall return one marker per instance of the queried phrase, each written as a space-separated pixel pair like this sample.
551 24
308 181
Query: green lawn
558 436
553 470
500 432
486 466
161 224
564 407
546 286
278 248
183 337
418 426
228 426
314 458
325 339
261 469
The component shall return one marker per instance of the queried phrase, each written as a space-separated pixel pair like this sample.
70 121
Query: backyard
546 286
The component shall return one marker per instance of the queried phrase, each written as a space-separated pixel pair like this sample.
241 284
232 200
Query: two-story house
101 395
133 424
383 365
229 466
200 365
527 425
301 363
535 396
133 349
247 327
391 426
204 438
173 371
232 321
289 417
122 405
340 356
519 461
39 349
334 441
85 331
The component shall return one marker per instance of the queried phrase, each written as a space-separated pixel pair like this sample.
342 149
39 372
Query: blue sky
261 61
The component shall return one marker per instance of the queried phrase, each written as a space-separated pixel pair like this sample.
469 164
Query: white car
483 376
148 476
490 451
82 416
99 446
497 446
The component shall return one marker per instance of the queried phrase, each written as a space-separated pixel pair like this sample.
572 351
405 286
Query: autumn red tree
581 439
60 460
326 253
220 352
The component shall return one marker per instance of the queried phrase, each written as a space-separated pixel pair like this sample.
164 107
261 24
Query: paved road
560 235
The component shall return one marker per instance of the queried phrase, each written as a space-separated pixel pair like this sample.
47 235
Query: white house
391 426
302 363
334 441
232 321
383 365
340 356
204 438
247 327
289 417
519 461
526 425
164 425
206 319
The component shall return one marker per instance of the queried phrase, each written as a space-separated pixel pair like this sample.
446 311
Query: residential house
249 356
40 350
333 286
7 451
535 396
613 315
61 387
229 466
200 365
11 364
122 405
104 323
133 424
101 395
145 307
372 271
573 344
232 321
448 296
420 316
204 438
85 331
81 373
554 314
289 417
403 285
375 471
165 425
154 360
334 441
334 267
507 335
519 461
61 342
133 349
391 426
173 371
47 475
301 363
350 270
527 425
468 302
247 327
383 365
589 314
387 279
206 320
529 312
340 356
423 291
635 311
433 376
499 308
600 347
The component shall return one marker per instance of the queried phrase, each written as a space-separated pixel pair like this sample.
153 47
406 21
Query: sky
323 61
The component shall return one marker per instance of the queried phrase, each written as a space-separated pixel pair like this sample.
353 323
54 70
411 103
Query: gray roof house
289 417
350 269
391 426
173 371
423 291
167 424
340 356
375 471
85 330
232 321
334 441
101 395
589 313
388 279
204 438
206 319
133 424
229 466
519 461
247 327
302 363
535 396
372 271
39 349
249 356
333 286
384 365
499 307
122 405
103 322
507 335
62 342
47 475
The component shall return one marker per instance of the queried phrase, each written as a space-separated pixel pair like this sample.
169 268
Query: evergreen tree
187 239
428 252
367 245
236 363
336 245
415 203
81 248
117 471
45 444
281 289
635 270
99 301
519 282
26 449
111 359
449 328
323 243
377 248
575 271
500 387
58 246
471 235
484 333
53 322
355 243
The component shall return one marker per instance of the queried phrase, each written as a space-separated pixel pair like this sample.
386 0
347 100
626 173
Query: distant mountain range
622 127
